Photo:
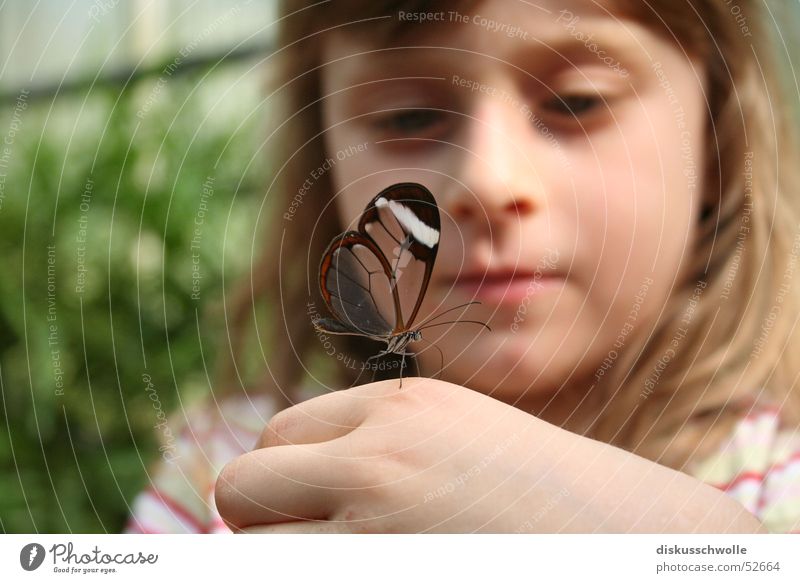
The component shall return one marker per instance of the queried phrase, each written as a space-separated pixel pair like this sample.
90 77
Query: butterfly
373 280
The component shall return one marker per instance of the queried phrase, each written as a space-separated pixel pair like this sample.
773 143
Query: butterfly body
395 343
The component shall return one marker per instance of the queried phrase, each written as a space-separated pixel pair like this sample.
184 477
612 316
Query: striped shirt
758 465
179 496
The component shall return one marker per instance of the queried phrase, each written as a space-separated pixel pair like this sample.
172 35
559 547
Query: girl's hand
431 456
437 457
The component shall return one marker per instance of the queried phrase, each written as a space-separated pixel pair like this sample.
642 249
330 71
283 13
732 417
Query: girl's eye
573 105
416 123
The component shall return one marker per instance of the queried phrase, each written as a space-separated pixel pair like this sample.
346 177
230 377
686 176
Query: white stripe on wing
423 233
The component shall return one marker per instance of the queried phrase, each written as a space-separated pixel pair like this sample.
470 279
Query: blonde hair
738 291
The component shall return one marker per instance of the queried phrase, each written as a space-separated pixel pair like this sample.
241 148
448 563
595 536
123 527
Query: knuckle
274 433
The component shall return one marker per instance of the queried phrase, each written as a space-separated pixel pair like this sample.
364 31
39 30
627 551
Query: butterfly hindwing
356 284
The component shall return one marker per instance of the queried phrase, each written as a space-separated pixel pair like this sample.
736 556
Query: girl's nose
498 178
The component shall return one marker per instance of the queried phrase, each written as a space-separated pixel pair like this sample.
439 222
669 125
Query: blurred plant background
131 179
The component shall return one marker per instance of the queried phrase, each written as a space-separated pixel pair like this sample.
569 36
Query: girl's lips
506 290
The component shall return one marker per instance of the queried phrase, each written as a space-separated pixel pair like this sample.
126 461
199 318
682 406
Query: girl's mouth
506 287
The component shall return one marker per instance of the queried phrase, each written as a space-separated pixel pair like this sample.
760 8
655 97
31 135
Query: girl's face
564 147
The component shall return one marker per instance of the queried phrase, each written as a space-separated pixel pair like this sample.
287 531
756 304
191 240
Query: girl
614 188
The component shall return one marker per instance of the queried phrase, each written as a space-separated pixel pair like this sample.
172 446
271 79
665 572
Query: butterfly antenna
484 324
432 318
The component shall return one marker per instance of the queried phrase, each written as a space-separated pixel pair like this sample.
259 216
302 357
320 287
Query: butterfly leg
414 360
375 368
375 371
358 378
402 367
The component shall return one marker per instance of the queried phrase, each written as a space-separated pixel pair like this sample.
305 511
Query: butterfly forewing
355 286
403 221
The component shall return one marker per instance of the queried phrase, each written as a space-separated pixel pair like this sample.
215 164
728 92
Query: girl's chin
509 368
520 387
511 344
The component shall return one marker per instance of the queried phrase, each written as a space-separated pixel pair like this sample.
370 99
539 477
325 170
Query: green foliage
99 211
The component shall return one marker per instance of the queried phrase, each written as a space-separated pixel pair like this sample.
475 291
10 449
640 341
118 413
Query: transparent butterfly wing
356 285
403 221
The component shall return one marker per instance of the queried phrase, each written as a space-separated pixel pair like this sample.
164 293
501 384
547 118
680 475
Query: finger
317 420
284 483
299 527
328 416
